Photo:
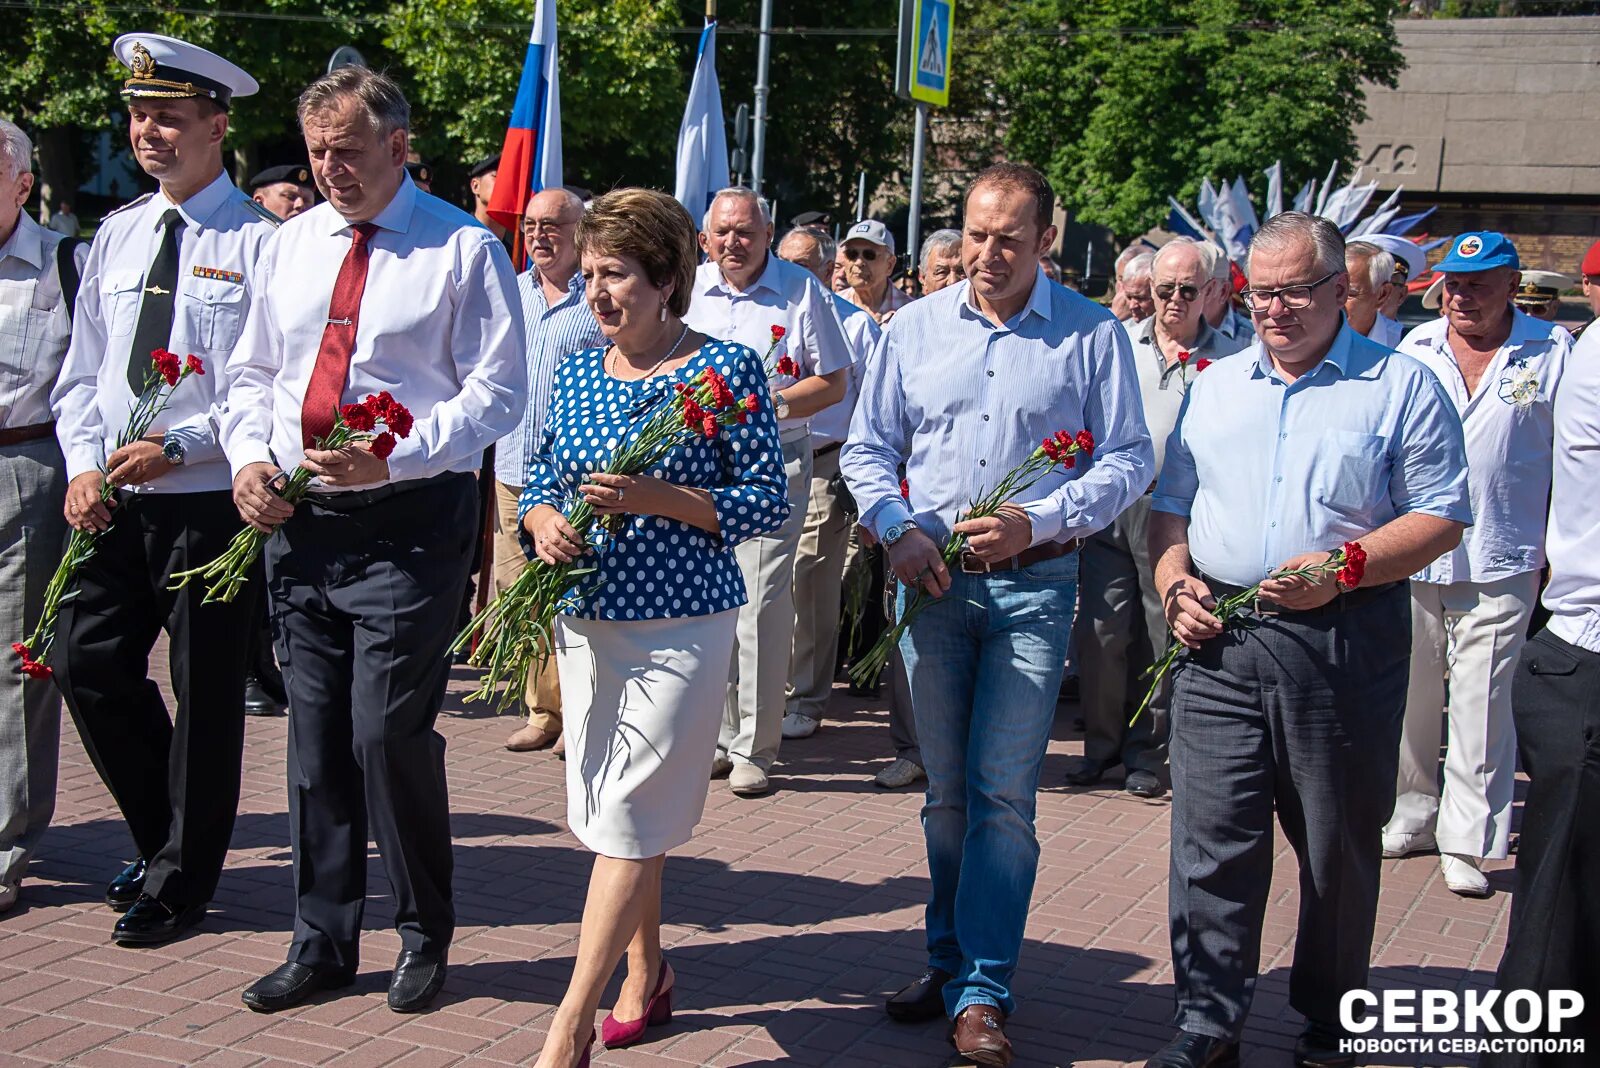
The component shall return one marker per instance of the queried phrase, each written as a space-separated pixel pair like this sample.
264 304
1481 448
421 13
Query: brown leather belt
1050 550
20 434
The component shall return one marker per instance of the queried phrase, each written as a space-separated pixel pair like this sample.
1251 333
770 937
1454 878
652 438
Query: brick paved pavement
787 920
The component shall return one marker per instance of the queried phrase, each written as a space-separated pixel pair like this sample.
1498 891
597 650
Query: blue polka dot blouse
659 568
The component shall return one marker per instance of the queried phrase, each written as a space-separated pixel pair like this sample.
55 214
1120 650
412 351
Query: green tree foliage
1123 102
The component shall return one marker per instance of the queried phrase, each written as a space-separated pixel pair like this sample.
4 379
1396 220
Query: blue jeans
985 667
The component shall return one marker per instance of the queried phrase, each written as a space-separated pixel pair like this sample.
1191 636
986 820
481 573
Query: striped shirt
553 334
35 322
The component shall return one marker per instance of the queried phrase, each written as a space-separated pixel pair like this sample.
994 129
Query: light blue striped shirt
1266 470
553 334
960 401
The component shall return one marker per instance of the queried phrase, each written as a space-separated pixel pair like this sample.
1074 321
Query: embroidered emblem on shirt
1520 386
217 274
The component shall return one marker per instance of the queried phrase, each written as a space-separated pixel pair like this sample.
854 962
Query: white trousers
1466 638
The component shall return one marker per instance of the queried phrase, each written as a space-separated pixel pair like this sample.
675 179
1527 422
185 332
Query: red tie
326 388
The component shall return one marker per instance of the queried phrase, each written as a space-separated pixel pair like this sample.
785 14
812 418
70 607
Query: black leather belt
1050 550
355 500
826 449
1347 599
20 434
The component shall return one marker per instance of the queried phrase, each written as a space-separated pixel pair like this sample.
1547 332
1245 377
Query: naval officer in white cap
172 270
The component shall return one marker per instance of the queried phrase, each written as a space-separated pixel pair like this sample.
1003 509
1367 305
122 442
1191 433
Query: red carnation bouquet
166 371
1347 564
351 423
517 626
1059 451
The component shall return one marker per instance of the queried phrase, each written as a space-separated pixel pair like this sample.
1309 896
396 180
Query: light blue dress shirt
959 402
553 334
1266 469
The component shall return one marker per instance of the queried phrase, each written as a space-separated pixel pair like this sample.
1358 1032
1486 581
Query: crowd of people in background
1246 423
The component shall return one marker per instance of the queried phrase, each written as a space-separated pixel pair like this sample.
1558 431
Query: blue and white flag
1274 175
1183 224
1303 199
703 138
1208 201
1327 190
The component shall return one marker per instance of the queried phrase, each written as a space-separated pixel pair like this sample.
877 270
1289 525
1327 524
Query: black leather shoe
1143 784
259 702
125 889
416 981
290 984
1190 1050
150 922
1318 1047
922 1000
1087 771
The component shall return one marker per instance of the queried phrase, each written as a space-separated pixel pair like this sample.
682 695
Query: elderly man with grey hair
1220 312
1119 628
39 270
746 294
1133 286
1371 272
940 264
1311 438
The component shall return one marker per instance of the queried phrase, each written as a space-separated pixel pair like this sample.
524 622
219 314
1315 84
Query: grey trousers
1120 630
33 484
752 723
1298 714
818 588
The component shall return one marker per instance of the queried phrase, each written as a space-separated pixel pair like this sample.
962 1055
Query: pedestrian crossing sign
930 81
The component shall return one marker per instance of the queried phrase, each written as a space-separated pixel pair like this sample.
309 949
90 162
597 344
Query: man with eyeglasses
1470 608
868 252
1539 295
1119 628
557 323
1371 271
1312 437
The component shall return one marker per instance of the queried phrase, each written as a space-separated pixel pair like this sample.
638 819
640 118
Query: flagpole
758 155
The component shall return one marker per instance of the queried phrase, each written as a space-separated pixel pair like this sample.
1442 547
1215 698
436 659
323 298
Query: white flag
702 139
1274 175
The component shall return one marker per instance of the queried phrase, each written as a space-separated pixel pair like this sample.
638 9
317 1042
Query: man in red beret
1589 271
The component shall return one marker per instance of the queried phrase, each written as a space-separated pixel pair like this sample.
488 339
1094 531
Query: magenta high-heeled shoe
658 1010
588 1051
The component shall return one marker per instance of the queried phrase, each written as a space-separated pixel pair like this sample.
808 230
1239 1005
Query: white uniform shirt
785 295
1508 446
440 328
829 426
223 234
35 322
1573 595
1386 331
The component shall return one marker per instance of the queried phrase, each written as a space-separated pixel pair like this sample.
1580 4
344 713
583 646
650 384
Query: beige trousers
543 697
818 587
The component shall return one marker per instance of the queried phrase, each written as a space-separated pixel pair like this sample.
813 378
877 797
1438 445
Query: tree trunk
58 171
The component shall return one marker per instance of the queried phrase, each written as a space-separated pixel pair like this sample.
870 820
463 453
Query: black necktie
154 329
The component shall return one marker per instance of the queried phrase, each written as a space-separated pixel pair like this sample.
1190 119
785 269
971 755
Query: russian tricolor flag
531 159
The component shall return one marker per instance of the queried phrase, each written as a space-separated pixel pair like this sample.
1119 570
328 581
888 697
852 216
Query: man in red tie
381 288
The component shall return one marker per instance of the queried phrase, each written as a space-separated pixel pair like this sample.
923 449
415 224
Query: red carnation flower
1202 363
708 426
905 489
1355 565
358 417
399 420
1085 441
693 414
1183 357
383 445
787 366
168 366
195 364
778 332
752 403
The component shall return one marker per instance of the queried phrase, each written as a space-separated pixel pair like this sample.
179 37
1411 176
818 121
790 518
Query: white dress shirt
785 295
223 232
35 322
1573 541
1386 331
832 424
1508 446
440 328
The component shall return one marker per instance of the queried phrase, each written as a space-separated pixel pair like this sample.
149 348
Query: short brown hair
1019 178
649 227
377 93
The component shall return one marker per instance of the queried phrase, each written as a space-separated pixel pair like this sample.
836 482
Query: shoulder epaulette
134 203
263 212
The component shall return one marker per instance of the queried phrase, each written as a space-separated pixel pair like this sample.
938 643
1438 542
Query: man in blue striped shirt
559 323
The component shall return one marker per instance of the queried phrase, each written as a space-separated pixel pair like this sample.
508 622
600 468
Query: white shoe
1403 845
720 766
796 725
899 772
1462 876
8 897
747 780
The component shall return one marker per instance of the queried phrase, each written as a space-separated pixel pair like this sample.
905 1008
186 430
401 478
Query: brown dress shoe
979 1036
527 738
559 750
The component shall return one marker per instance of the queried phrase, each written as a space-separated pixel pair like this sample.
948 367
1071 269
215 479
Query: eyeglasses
544 226
1293 297
1165 290
853 254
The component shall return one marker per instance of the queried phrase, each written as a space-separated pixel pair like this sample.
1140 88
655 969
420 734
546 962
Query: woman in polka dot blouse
645 645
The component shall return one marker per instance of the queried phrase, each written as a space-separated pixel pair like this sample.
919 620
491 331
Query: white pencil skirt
642 701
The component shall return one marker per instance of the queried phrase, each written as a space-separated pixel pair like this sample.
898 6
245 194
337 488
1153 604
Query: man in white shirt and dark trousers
380 288
1553 942
1470 608
741 293
173 270
39 270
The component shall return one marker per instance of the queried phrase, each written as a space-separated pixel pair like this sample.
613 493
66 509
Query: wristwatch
172 450
898 531
780 406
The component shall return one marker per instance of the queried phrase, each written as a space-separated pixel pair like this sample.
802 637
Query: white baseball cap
870 230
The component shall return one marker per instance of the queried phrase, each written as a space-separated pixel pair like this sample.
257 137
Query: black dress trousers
175 778
365 589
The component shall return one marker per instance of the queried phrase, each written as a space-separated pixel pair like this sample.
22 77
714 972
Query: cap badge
142 63
1469 247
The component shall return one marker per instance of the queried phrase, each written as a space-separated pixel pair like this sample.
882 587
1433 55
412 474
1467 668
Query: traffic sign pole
758 157
914 217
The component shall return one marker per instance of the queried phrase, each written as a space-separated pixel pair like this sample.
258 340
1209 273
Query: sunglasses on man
853 254
1165 290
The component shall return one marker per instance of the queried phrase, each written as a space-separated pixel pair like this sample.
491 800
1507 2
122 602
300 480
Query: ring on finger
620 493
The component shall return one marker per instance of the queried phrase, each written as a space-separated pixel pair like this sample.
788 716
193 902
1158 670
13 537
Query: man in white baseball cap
868 252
